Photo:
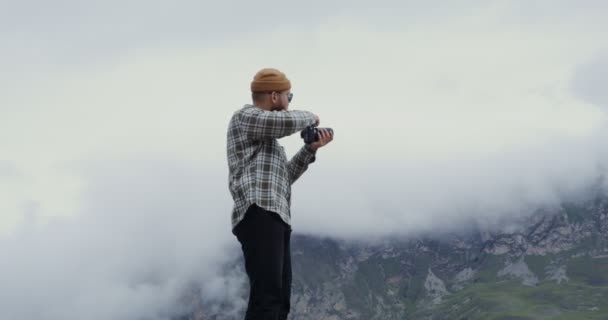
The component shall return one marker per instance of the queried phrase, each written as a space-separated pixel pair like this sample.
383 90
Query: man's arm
262 124
299 163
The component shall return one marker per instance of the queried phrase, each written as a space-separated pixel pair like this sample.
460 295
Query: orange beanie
270 79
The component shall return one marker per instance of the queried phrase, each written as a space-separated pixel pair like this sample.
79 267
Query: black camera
311 133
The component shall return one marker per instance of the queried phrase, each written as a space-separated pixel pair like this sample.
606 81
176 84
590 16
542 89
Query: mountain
553 265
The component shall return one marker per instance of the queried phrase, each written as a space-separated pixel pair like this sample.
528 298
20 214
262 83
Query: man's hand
325 136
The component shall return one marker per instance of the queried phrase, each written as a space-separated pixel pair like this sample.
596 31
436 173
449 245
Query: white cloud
588 80
113 171
147 229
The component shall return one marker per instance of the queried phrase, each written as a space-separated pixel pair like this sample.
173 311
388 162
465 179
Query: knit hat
270 79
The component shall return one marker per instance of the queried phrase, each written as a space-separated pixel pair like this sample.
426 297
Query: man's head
271 90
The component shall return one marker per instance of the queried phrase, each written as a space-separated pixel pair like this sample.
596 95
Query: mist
113 175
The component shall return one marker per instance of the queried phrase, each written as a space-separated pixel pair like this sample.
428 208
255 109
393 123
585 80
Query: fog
113 174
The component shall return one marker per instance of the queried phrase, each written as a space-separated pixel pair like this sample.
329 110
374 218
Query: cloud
588 79
114 176
143 235
8 170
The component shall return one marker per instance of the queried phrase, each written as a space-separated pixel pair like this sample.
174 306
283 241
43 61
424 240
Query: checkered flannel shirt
258 168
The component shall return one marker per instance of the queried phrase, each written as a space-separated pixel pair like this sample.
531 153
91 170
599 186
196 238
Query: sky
113 116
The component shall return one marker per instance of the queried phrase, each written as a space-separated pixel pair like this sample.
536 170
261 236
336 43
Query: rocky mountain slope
554 266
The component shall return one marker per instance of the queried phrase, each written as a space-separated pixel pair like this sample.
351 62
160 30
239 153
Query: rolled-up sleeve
299 163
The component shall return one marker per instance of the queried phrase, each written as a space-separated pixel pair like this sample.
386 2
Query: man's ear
274 97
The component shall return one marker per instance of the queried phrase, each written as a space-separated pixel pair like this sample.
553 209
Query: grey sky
588 80
113 115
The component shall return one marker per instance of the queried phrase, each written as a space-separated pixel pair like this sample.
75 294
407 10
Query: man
260 179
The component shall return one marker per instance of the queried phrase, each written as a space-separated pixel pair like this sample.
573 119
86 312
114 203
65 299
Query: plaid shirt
258 168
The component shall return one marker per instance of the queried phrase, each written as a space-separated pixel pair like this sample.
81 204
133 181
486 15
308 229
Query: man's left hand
325 137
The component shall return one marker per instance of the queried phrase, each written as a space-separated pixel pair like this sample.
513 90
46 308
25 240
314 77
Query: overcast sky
113 117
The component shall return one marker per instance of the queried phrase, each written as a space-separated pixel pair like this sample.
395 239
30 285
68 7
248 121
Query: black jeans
265 238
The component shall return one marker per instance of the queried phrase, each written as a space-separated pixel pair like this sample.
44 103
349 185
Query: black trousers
265 240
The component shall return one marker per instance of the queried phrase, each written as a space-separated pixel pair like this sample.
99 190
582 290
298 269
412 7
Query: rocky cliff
553 264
